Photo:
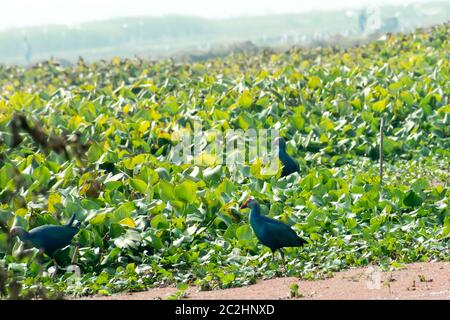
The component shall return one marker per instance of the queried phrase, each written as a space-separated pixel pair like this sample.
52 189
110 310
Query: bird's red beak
244 205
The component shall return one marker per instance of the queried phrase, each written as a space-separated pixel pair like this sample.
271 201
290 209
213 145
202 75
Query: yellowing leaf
116 61
128 222
155 115
221 115
245 100
21 212
164 135
242 123
261 171
379 106
356 103
206 159
102 119
273 168
53 199
126 109
327 124
75 122
143 126
263 74
255 168
314 82
346 58
98 218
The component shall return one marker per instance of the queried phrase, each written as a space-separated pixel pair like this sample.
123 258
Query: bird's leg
273 255
282 258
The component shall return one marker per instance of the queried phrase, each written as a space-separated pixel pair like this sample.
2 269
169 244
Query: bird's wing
294 163
52 236
283 233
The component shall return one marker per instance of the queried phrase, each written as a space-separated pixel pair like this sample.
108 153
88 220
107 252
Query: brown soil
416 281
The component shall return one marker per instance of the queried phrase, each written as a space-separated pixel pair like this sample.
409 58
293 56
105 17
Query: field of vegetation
95 139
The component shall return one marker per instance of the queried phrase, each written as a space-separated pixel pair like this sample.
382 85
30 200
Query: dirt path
416 281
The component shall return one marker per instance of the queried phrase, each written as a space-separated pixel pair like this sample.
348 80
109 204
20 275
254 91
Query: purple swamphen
48 238
290 165
271 233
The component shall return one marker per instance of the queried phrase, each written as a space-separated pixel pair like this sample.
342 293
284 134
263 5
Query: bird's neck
282 154
24 235
255 212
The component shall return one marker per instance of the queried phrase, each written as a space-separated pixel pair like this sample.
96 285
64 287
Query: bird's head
18 232
250 203
281 143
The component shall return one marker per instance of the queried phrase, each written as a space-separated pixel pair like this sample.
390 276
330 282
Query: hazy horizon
51 12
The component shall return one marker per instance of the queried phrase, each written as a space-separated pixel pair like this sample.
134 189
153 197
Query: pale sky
19 13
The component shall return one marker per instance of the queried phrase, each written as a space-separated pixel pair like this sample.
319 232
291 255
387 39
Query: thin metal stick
381 150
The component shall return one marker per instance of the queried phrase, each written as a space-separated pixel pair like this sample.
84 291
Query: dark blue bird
271 233
290 165
48 238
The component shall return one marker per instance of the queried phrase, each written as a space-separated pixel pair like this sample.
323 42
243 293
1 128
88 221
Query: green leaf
42 174
230 233
244 233
186 191
212 174
166 190
95 152
407 97
116 230
420 185
182 286
154 241
446 230
131 239
160 222
138 185
124 211
412 199
171 105
163 173
6 175
228 278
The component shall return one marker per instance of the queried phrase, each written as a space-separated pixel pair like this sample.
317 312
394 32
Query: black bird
290 165
48 238
271 233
